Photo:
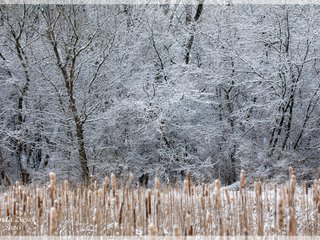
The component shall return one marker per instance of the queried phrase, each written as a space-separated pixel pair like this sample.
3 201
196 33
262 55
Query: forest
159 90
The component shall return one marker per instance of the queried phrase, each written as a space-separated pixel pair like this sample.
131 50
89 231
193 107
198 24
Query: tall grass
114 210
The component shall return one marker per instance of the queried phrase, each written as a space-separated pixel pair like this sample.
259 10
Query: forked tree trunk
68 73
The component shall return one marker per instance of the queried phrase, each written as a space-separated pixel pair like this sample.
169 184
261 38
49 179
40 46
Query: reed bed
113 209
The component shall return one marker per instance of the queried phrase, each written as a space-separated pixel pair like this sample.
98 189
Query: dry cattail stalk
95 216
206 193
177 231
106 184
60 211
185 186
66 185
188 224
243 183
209 218
153 230
121 214
90 198
258 188
292 223
227 196
24 202
259 206
149 202
91 182
100 197
203 205
158 197
127 196
7 207
131 180
189 183
52 187
293 184
306 187
40 204
281 213
53 219
14 208
291 171
134 221
315 191
157 184
218 195
114 184
53 179
147 207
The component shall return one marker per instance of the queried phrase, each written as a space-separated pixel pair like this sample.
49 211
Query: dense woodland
159 90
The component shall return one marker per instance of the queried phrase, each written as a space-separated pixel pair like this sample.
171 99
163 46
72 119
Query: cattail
106 184
24 202
132 179
188 226
14 207
134 220
153 230
52 187
95 216
258 188
228 230
7 206
158 197
157 184
66 185
202 203
40 209
243 182
185 186
177 230
100 196
52 179
209 217
293 184
6 198
114 184
218 195
14 189
292 223
60 212
315 191
291 171
20 194
92 182
127 196
306 187
53 216
149 202
189 183
90 198
227 196
121 214
281 213
206 193
147 207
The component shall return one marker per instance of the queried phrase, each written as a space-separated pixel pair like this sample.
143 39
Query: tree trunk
69 77
82 150
191 23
